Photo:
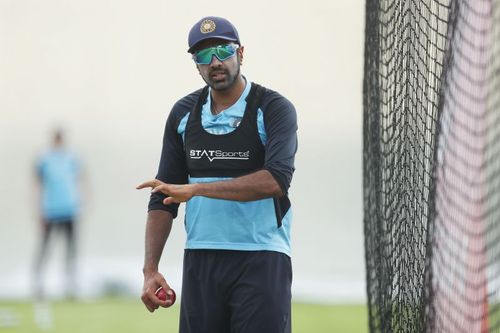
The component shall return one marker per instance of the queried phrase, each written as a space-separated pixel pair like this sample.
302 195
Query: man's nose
215 61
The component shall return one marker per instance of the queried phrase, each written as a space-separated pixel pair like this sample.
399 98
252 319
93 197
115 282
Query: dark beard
226 84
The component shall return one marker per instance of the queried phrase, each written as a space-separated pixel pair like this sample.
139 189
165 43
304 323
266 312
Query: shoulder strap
255 96
201 99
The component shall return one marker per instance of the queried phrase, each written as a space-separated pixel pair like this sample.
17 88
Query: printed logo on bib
236 122
218 154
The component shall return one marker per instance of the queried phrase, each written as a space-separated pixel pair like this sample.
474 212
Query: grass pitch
127 315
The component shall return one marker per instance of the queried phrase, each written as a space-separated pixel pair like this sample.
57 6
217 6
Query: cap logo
207 26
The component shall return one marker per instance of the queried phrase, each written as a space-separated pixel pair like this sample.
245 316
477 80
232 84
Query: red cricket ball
162 295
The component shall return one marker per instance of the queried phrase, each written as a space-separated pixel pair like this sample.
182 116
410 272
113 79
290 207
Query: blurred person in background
228 151
58 176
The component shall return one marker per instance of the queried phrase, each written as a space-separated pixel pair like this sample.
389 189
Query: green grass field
126 315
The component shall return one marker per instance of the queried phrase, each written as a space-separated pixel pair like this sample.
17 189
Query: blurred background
108 72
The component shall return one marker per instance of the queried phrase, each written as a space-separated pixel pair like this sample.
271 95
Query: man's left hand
175 193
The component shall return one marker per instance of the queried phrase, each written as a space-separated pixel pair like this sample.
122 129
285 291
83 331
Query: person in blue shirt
228 152
58 173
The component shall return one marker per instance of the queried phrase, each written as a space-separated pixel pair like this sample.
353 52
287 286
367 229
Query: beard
227 80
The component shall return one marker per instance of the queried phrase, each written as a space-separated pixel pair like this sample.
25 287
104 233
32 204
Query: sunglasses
222 52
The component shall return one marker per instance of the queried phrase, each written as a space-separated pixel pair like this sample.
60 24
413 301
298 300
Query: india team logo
207 26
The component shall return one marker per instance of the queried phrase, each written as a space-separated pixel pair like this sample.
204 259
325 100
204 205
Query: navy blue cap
212 27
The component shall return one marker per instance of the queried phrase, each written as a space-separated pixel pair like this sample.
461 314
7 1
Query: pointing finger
150 183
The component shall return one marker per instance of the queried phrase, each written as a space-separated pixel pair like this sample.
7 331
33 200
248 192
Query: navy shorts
236 292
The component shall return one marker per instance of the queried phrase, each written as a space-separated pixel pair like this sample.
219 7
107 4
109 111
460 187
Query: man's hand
175 193
152 281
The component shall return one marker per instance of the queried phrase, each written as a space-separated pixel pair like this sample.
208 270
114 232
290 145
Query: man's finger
159 188
150 183
170 200
147 302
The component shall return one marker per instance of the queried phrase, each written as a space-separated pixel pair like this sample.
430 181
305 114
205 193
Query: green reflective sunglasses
222 52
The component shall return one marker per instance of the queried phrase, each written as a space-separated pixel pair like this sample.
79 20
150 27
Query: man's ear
240 51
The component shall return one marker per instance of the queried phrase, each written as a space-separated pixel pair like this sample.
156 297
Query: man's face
220 75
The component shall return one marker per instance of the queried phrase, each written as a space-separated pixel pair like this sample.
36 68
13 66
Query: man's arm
272 181
255 186
158 226
172 169
39 195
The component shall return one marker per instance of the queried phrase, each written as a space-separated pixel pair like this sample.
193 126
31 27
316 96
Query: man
58 173
228 151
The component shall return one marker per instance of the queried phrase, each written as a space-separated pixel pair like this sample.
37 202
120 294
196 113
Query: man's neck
226 98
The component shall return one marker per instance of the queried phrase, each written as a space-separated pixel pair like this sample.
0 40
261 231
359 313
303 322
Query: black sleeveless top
233 154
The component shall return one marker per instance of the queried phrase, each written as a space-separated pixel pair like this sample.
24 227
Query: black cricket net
431 154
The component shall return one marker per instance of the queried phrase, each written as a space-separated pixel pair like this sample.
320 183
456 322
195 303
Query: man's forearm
158 226
255 186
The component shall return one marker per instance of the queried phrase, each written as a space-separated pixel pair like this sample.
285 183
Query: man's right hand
153 281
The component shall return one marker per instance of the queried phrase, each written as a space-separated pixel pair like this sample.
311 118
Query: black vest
234 154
